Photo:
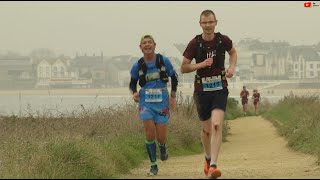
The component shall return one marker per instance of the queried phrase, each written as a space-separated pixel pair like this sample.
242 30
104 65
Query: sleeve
191 50
172 73
169 68
134 78
227 42
134 71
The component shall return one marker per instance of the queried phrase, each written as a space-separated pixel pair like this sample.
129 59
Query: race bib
153 95
212 83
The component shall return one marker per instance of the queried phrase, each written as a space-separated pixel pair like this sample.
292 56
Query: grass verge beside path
101 143
297 118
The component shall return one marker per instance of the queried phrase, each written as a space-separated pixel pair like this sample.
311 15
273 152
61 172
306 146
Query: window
62 71
98 75
318 66
296 66
311 73
55 73
311 66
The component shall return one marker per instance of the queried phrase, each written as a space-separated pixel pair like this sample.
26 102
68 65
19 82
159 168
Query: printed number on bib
212 83
153 95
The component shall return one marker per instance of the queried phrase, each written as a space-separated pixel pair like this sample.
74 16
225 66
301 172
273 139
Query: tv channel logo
307 4
310 4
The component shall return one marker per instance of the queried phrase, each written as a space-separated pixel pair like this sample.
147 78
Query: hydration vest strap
142 69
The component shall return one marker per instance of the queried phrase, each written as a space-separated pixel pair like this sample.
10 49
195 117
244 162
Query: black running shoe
153 170
163 153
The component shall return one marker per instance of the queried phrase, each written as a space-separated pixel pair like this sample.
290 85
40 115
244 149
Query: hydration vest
142 69
218 54
217 68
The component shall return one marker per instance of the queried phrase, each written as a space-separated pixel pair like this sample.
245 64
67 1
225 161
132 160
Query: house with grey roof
55 72
90 68
118 70
16 72
306 62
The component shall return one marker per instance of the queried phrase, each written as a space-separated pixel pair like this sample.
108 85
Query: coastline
125 92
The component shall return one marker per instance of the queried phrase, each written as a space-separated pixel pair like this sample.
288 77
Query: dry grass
88 143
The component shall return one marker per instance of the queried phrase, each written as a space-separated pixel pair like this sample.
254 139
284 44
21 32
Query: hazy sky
115 28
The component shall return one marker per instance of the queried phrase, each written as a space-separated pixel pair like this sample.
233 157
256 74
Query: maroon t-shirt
191 53
191 50
244 94
256 98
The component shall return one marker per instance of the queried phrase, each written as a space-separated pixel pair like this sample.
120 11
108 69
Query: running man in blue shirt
153 72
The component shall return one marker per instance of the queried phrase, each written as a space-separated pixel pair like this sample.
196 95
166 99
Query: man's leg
216 140
205 135
204 112
245 108
255 108
161 119
162 140
151 147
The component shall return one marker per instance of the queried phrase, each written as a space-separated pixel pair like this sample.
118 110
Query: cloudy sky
115 28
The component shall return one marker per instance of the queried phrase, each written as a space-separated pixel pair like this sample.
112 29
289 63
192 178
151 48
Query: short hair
208 13
244 87
147 36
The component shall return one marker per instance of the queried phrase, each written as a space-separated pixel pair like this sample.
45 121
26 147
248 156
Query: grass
297 119
91 143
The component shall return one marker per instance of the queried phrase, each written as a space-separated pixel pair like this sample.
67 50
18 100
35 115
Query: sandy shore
125 92
110 91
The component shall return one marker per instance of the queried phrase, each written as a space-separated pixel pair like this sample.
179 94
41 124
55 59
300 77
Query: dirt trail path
254 150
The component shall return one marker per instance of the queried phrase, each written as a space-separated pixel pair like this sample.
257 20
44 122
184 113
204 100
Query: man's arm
133 89
133 85
232 57
232 62
174 85
187 67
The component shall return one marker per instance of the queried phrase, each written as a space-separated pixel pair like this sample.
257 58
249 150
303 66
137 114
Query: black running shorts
208 101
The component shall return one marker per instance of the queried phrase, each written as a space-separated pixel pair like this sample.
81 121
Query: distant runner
244 94
256 100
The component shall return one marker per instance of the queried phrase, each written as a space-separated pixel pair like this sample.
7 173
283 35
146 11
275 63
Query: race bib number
153 95
212 83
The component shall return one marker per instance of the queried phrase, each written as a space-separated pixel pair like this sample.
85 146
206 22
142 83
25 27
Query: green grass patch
297 119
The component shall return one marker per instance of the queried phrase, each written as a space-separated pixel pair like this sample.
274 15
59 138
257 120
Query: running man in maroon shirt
256 100
210 84
244 94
